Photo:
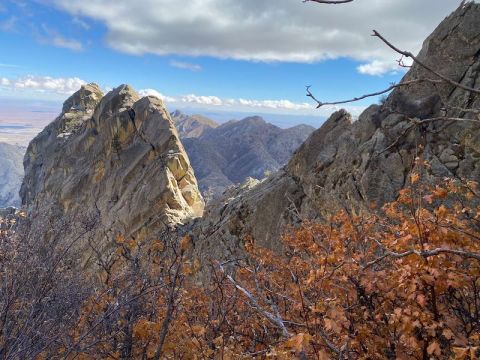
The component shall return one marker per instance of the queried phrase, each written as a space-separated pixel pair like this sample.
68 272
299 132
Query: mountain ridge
354 165
233 151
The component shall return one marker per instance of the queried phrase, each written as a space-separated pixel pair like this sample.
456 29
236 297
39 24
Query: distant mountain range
11 174
223 155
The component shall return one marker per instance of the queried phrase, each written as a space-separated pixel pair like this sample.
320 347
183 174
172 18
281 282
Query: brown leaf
434 349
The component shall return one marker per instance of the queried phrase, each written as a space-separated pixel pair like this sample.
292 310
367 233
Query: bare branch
443 118
392 86
274 319
422 64
425 254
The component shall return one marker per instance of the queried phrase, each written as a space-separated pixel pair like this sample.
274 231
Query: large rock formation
108 165
232 152
349 165
11 174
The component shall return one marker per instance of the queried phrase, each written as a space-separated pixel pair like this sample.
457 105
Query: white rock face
107 166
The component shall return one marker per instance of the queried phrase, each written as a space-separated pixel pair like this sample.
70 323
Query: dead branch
424 253
443 118
408 54
390 88
172 298
275 319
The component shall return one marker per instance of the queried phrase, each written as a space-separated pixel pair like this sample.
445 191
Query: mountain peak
118 99
84 99
127 171
254 120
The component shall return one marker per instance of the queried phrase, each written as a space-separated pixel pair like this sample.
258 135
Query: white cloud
186 66
44 84
4 82
52 37
377 67
153 92
215 101
380 67
266 30
204 100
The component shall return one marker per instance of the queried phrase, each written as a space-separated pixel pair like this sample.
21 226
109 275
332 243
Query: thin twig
390 88
408 54
274 319
424 254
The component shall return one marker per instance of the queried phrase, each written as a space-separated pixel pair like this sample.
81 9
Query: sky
221 57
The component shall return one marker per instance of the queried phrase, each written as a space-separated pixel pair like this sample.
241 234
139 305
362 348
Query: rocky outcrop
11 174
191 126
107 166
236 150
350 164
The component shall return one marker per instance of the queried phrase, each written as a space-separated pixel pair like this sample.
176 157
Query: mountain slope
236 150
350 165
11 174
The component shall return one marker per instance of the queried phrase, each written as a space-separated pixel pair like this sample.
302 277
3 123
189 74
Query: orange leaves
332 325
321 289
143 329
405 196
434 349
157 246
198 330
414 177
298 342
440 192
185 243
441 212
421 300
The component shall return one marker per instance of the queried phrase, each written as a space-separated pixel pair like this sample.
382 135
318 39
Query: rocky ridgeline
107 166
113 164
350 165
227 154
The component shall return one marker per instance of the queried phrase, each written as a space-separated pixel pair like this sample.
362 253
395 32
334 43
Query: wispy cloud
185 65
9 65
52 37
79 22
9 24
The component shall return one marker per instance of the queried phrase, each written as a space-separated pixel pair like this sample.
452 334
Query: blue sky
254 56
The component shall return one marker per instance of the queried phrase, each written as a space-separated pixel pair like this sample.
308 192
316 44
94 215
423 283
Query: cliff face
11 173
108 165
347 164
